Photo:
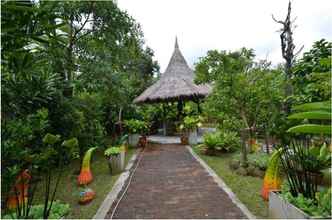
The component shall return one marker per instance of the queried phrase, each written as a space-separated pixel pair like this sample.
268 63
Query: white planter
282 209
192 139
122 160
114 163
133 139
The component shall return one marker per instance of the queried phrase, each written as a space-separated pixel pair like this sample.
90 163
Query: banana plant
85 176
312 111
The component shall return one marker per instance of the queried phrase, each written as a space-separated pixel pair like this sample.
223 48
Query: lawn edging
222 185
113 194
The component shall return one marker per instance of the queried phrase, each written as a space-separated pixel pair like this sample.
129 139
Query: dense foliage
70 68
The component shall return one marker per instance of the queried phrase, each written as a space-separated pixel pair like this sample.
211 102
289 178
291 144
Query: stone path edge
222 185
116 189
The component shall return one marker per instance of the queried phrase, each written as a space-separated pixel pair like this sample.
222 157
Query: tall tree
287 49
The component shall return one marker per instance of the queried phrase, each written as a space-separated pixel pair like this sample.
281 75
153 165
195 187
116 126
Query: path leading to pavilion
170 183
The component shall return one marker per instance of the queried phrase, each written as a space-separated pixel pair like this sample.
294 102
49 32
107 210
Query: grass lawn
246 188
68 190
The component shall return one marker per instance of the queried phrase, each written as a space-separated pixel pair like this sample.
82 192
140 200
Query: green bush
81 118
222 141
58 211
190 123
258 159
112 151
211 140
320 207
21 138
136 126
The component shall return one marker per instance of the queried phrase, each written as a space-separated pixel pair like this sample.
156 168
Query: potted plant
302 166
189 130
136 128
113 155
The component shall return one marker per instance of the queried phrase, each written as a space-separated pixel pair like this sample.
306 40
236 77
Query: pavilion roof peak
176 83
178 65
176 46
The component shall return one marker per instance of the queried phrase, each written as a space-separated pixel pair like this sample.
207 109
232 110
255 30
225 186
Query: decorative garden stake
85 176
20 190
272 180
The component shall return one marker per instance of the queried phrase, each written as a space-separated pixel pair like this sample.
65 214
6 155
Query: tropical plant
303 167
311 74
112 151
319 111
320 207
136 126
190 123
85 176
257 159
59 210
211 140
221 141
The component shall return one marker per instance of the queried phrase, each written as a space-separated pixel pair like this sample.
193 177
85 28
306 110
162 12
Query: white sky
201 25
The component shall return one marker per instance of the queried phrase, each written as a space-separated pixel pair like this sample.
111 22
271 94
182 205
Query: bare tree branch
299 51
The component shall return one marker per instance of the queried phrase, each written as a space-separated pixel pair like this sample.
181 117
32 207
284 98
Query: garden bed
246 188
68 190
282 209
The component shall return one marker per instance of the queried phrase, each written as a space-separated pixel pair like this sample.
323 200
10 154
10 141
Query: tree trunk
244 159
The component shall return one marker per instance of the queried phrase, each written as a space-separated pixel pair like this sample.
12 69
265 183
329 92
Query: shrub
230 141
58 211
222 141
320 207
258 159
112 151
211 140
81 118
136 126
190 123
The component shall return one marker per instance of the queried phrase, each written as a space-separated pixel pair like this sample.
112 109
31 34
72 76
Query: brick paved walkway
170 183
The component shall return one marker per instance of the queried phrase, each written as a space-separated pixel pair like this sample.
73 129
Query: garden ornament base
86 196
193 137
133 139
116 163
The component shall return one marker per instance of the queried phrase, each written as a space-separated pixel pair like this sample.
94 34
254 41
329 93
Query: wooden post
180 109
198 107
164 120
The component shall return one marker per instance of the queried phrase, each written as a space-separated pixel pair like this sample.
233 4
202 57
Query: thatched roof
177 83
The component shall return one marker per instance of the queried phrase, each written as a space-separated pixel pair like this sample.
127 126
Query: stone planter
115 164
122 160
193 137
133 139
282 209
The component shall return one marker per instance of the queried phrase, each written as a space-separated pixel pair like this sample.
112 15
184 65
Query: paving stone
170 183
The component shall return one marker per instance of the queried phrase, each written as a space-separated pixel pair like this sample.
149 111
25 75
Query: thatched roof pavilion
176 84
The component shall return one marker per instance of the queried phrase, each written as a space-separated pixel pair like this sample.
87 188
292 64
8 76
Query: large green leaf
311 129
314 106
322 115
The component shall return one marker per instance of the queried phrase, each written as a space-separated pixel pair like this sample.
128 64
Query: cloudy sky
201 25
